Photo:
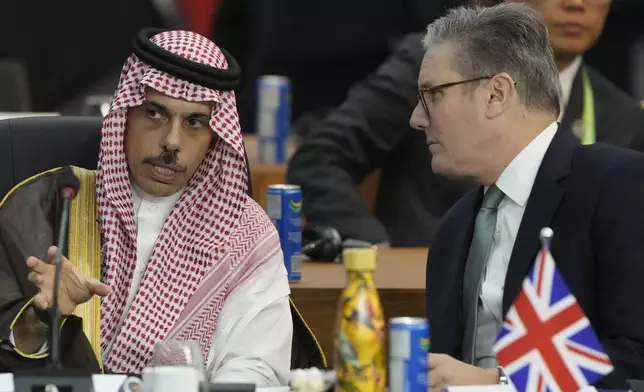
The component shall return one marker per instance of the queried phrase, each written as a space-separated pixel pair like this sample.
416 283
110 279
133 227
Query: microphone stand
54 378
56 317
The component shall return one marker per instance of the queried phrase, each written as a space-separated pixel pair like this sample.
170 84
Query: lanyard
588 114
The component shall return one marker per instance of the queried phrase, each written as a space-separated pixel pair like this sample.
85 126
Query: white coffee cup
170 379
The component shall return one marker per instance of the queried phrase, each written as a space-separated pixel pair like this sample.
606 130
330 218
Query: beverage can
284 208
273 118
408 352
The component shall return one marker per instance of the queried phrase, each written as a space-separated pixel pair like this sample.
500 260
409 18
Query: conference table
399 278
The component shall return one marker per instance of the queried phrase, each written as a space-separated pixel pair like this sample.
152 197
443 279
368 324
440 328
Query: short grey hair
509 38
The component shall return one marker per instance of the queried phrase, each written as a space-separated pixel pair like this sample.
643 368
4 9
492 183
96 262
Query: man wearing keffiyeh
164 241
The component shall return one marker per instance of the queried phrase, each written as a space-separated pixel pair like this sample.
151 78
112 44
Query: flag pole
546 237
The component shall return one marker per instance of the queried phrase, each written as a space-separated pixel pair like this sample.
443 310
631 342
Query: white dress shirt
252 339
567 79
516 184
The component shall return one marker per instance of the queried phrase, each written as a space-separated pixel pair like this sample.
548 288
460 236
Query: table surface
399 278
396 268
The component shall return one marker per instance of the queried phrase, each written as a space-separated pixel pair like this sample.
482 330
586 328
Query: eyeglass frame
423 90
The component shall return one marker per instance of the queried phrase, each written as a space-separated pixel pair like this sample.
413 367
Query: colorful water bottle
360 346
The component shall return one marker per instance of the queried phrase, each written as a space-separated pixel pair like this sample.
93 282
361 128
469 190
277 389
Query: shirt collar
518 177
139 195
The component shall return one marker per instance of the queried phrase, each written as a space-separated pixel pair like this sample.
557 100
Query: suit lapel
604 132
574 109
463 241
575 106
444 295
545 198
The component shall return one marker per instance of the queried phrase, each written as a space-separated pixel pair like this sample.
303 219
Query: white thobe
252 339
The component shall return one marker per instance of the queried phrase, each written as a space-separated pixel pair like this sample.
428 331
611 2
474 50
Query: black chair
31 145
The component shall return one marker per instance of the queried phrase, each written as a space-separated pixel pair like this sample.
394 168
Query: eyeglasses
432 90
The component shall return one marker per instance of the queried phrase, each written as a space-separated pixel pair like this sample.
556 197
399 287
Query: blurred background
360 171
63 56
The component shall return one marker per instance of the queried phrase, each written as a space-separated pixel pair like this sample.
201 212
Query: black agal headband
182 68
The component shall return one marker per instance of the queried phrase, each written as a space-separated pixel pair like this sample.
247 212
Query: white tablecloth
102 383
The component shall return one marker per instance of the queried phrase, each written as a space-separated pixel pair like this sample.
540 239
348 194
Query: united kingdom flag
546 343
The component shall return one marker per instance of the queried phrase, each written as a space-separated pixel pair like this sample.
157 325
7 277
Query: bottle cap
359 259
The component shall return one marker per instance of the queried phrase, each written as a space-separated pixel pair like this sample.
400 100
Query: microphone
326 247
54 377
227 387
68 186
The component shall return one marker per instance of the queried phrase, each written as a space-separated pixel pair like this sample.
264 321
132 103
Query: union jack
546 343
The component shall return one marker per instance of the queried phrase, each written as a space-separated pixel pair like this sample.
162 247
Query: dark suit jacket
370 131
619 120
593 199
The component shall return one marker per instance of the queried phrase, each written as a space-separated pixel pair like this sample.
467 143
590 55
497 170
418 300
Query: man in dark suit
573 27
370 132
488 103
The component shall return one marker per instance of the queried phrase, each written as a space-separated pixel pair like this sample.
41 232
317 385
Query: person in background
369 132
489 99
165 242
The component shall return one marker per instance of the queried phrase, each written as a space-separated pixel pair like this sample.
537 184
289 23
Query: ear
501 92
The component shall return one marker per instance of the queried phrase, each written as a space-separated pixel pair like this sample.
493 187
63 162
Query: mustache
167 159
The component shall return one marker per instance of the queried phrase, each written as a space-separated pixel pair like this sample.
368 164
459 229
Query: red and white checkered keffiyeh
213 239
